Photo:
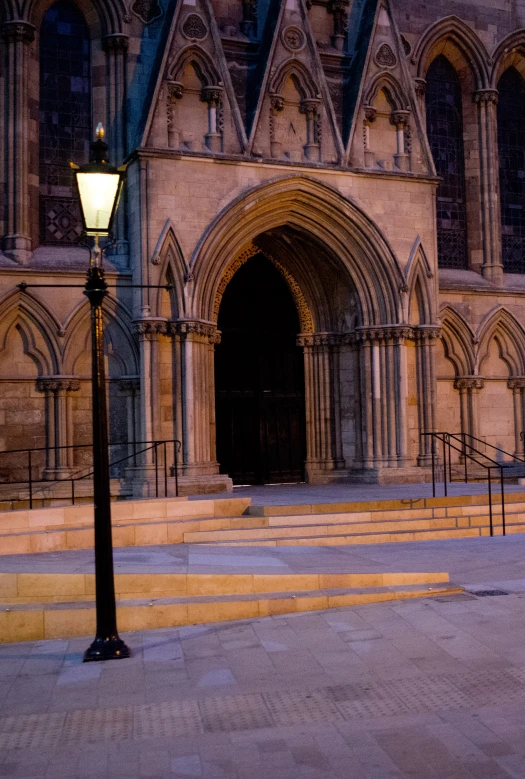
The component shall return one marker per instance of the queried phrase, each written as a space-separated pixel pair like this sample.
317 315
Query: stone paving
430 689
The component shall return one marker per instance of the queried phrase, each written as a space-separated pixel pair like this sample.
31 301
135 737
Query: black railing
159 450
468 449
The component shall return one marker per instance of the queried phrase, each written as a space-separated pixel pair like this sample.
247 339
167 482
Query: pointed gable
194 106
294 119
386 133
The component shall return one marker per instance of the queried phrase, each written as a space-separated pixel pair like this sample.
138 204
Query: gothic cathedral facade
334 192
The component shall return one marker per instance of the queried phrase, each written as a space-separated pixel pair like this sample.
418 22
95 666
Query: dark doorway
259 379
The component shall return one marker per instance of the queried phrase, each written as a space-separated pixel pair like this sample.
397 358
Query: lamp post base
106 649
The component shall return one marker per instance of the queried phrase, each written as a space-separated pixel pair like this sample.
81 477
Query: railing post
30 479
72 492
449 462
490 502
155 444
176 460
503 502
465 458
433 467
165 472
445 464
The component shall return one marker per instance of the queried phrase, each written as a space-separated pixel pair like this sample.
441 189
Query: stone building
334 190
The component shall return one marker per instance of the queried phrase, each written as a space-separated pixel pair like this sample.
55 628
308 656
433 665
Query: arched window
511 147
445 136
65 119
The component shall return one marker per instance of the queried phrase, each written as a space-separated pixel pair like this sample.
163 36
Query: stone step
363 538
40 621
25 587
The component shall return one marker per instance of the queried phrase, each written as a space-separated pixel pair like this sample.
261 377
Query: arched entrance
259 379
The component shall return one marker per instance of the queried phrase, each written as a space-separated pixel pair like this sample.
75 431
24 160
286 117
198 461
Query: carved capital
486 96
319 339
399 118
517 383
129 386
468 383
194 329
149 327
310 107
427 333
276 103
117 43
370 113
420 85
175 90
57 384
18 31
212 96
384 333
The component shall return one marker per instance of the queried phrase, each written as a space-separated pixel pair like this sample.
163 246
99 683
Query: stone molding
212 95
516 383
57 384
320 339
116 43
469 383
189 328
129 385
377 334
399 118
150 326
487 96
18 31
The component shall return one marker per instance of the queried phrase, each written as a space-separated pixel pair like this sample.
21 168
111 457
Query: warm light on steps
38 621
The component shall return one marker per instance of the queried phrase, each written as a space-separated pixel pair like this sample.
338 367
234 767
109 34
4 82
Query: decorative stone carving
57 384
249 17
339 11
186 327
129 385
147 10
293 38
385 333
516 383
115 44
487 96
469 383
399 118
150 327
320 339
305 316
194 28
370 113
175 90
211 95
420 86
18 31
385 56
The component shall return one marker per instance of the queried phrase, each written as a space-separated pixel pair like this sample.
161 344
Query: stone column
339 11
148 331
196 344
59 425
469 388
487 100
18 35
324 457
425 337
370 117
517 385
175 92
130 389
116 48
310 108
276 106
400 120
213 96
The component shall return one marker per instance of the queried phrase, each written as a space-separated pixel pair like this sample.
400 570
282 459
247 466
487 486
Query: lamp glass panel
98 192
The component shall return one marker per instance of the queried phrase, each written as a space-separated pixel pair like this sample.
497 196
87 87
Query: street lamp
99 186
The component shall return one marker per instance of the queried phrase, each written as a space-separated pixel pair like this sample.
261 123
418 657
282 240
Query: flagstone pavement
425 689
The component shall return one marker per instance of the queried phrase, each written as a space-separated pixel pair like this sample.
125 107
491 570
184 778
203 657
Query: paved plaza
431 688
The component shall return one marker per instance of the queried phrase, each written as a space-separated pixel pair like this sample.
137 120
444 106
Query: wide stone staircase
236 522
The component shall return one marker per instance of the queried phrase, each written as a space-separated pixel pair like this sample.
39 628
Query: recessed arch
102 16
393 90
509 333
458 341
510 52
36 318
447 35
308 208
300 75
200 60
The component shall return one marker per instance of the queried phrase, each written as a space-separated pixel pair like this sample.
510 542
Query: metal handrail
449 442
149 445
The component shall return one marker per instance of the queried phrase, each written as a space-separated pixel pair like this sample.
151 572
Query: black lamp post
99 186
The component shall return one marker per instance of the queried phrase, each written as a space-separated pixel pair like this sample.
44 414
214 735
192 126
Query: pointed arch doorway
259 379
